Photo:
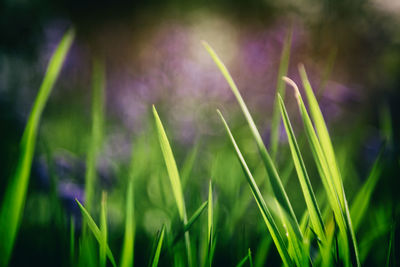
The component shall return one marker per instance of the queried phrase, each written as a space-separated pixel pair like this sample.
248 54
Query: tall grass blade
103 230
129 236
98 84
210 220
15 193
96 232
157 252
280 89
275 181
326 145
173 175
268 219
308 193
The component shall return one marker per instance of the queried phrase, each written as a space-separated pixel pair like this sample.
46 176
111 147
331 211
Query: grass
14 198
304 221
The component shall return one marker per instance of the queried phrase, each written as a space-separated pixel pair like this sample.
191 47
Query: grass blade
98 84
326 145
15 193
269 221
96 232
280 89
103 230
361 201
210 216
156 256
173 175
275 181
308 193
191 221
129 236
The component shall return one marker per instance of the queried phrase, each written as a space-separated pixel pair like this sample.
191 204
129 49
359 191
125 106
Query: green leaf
15 193
280 89
96 232
308 193
173 175
156 256
129 236
268 219
275 181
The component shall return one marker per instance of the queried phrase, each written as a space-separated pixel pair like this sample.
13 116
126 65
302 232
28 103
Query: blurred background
153 54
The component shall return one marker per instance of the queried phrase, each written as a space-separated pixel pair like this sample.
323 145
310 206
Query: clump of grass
325 236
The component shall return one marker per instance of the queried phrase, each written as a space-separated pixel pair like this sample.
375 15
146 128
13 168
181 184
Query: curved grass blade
268 219
308 193
173 175
15 193
275 181
280 89
157 251
129 236
96 232
326 145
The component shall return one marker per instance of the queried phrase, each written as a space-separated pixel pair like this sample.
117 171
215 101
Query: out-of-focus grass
15 195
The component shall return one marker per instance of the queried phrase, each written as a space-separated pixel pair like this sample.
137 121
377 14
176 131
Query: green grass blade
390 258
96 231
280 89
308 193
98 84
210 236
171 166
15 193
275 181
129 236
361 201
191 221
243 261
250 258
269 221
326 145
195 216
188 165
103 230
156 256
210 215
173 175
